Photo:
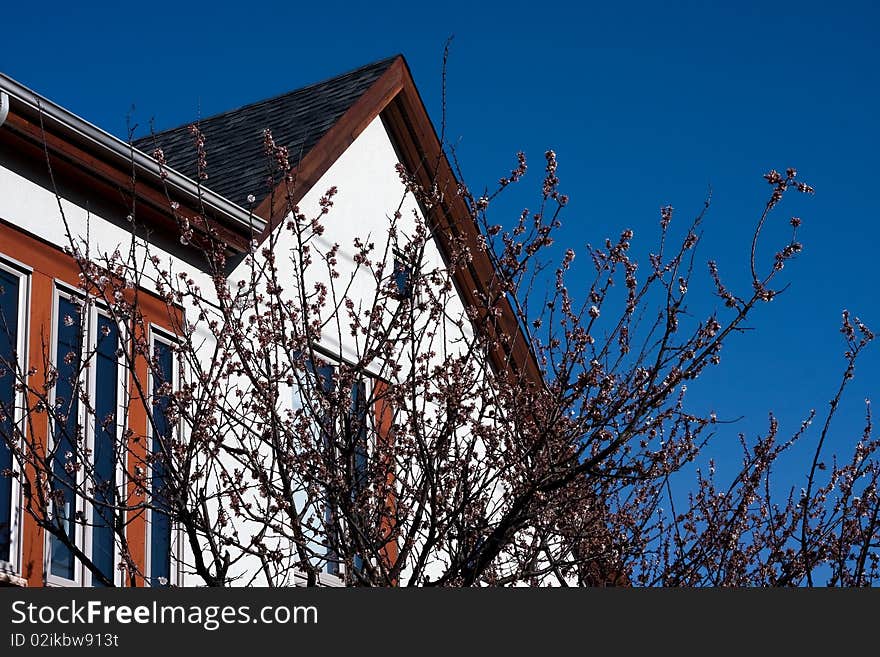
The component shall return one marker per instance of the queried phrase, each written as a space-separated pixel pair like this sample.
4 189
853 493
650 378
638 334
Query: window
87 359
44 315
402 275
356 448
350 453
13 307
66 430
107 375
160 529
357 437
324 376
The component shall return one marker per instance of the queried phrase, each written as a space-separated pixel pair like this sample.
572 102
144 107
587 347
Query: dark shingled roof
236 161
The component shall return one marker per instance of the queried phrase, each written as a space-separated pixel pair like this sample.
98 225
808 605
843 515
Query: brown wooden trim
414 134
33 537
384 416
136 533
113 183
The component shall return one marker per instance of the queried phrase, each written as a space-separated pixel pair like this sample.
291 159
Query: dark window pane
8 345
357 436
106 401
402 278
67 362
160 522
332 558
324 376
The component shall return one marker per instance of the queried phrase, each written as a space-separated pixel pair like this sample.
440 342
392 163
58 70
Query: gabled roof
336 112
236 160
317 124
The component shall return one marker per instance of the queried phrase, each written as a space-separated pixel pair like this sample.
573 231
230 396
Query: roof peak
381 64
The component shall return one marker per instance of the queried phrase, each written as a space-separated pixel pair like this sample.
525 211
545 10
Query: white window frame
120 480
83 538
62 290
176 577
24 274
369 384
338 578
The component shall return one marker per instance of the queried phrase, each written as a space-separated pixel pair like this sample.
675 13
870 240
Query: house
75 383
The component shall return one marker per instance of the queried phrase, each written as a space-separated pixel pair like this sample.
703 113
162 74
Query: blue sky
645 105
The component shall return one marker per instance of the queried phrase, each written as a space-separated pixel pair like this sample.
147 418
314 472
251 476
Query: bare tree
427 453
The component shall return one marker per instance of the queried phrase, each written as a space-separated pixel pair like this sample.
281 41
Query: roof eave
123 155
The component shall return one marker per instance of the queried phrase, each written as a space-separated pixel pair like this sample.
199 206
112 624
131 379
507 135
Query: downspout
4 106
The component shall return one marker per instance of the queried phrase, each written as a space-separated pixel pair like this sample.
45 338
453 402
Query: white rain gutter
4 106
124 153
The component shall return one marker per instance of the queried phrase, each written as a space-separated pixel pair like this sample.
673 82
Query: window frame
402 267
176 552
24 274
97 309
94 307
60 290
338 576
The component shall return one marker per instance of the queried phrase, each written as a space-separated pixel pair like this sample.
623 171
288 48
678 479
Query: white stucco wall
369 193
